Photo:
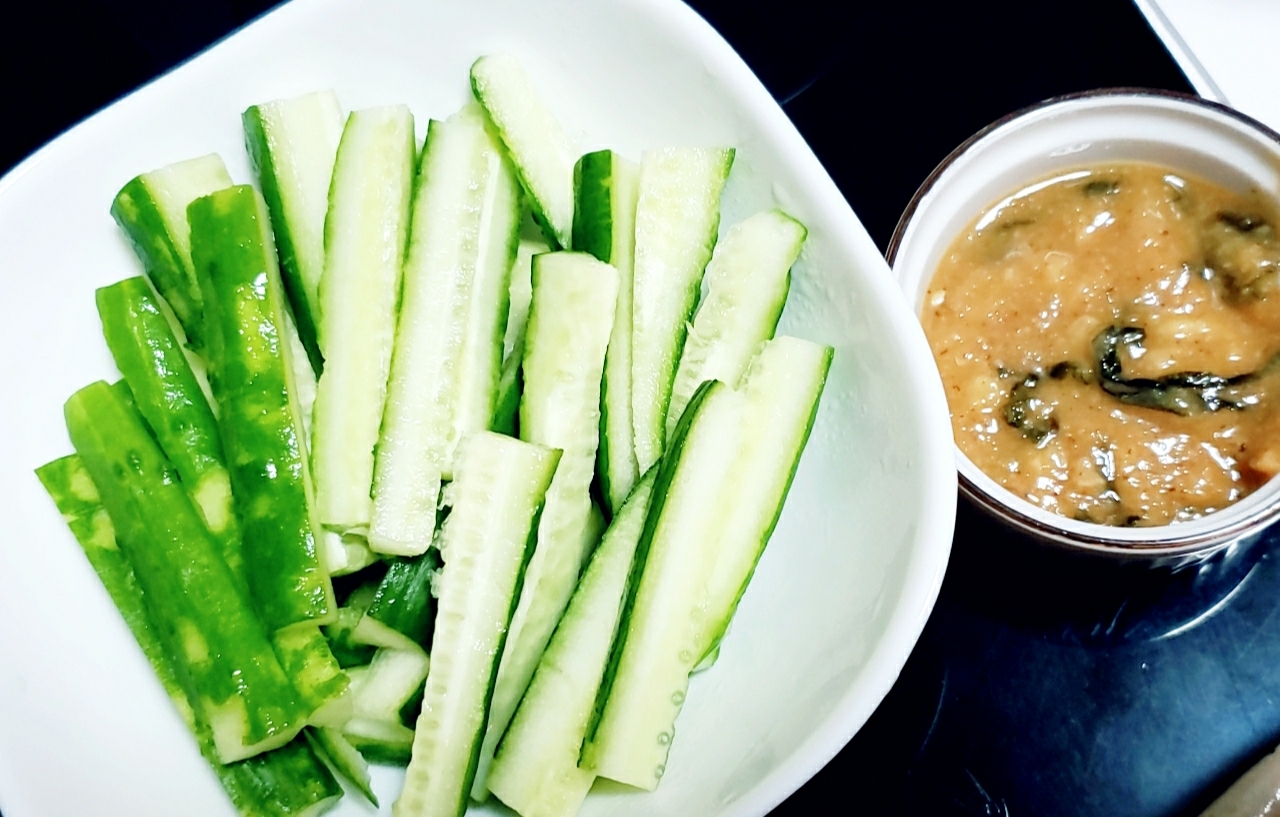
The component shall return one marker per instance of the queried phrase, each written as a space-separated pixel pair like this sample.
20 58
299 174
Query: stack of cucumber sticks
456 457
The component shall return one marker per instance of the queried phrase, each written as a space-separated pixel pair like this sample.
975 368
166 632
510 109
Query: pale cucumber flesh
746 282
569 324
536 768
677 218
365 232
485 543
448 351
539 147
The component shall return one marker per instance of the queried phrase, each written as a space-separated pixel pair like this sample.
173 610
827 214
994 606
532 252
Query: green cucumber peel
224 660
151 210
287 781
292 144
167 393
403 600
259 420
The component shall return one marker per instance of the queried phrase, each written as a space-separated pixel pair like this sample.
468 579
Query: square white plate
853 568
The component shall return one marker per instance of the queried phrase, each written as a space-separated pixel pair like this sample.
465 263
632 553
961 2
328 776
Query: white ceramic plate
839 597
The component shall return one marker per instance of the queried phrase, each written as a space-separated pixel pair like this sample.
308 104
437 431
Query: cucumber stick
321 684
168 395
260 419
677 218
746 282
536 769
292 144
290 780
152 211
569 324
448 350
386 685
541 150
507 407
165 391
782 388
207 627
403 599
344 757
606 187
365 232
486 541
719 491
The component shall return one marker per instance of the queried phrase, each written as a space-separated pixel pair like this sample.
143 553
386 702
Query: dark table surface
1039 687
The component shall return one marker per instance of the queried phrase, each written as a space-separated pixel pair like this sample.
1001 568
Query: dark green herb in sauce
1183 393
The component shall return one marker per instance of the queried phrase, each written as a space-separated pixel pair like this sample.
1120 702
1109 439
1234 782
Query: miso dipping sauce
1109 340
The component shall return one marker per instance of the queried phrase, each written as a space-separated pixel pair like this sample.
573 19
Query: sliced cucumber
569 324
260 420
649 665
380 741
718 495
541 150
677 217
344 554
782 388
606 188
365 232
486 544
747 282
206 625
521 294
383 688
344 757
314 672
292 144
403 600
448 351
169 397
536 769
152 211
290 780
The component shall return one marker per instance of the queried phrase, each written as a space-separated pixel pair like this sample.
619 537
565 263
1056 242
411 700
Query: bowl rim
1197 541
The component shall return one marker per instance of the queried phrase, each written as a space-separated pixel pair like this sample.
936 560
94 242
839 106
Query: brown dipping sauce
1109 339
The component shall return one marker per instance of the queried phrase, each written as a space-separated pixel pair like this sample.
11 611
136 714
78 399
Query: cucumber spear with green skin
747 282
569 324
287 782
448 344
536 769
259 419
497 497
292 144
223 657
606 187
166 393
152 211
364 240
170 398
719 491
677 218
542 152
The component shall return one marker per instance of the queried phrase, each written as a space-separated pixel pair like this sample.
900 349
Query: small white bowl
1182 132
